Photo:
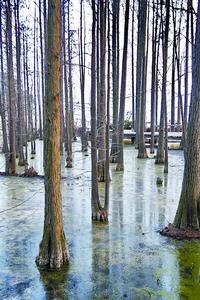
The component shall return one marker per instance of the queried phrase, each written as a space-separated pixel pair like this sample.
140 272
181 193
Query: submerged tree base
180 234
100 216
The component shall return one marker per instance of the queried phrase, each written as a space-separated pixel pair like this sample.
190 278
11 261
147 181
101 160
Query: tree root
180 234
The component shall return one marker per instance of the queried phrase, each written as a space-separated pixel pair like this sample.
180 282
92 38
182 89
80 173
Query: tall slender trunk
11 92
34 79
186 65
120 163
107 179
95 204
25 102
2 100
102 111
132 66
153 76
82 80
141 78
42 58
38 90
68 141
115 33
160 156
173 81
71 99
19 87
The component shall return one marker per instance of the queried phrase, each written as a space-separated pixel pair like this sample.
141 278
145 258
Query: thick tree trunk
188 212
53 248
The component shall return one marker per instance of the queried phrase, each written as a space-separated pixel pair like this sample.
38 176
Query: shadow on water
54 283
125 259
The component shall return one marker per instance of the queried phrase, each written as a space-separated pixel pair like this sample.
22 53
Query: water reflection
188 256
54 283
125 259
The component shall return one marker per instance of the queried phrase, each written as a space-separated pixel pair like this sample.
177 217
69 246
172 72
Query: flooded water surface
125 259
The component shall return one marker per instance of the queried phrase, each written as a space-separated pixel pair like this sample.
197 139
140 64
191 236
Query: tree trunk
188 212
53 248
107 179
160 156
11 92
102 111
153 76
173 80
114 146
71 99
68 141
141 78
2 100
19 86
95 204
42 58
120 162
132 66
84 139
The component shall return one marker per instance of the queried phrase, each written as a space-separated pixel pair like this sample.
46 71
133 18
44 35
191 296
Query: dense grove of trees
39 63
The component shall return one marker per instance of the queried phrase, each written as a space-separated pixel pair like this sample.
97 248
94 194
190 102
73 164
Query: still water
127 259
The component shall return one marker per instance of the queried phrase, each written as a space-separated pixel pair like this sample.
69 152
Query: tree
84 139
2 99
95 204
71 97
19 87
42 57
141 79
188 214
120 162
53 251
160 155
102 98
11 92
115 81
153 74
68 136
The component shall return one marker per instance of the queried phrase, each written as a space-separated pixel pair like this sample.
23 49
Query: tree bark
102 111
141 78
95 204
188 212
84 139
2 100
120 160
114 146
53 248
11 92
